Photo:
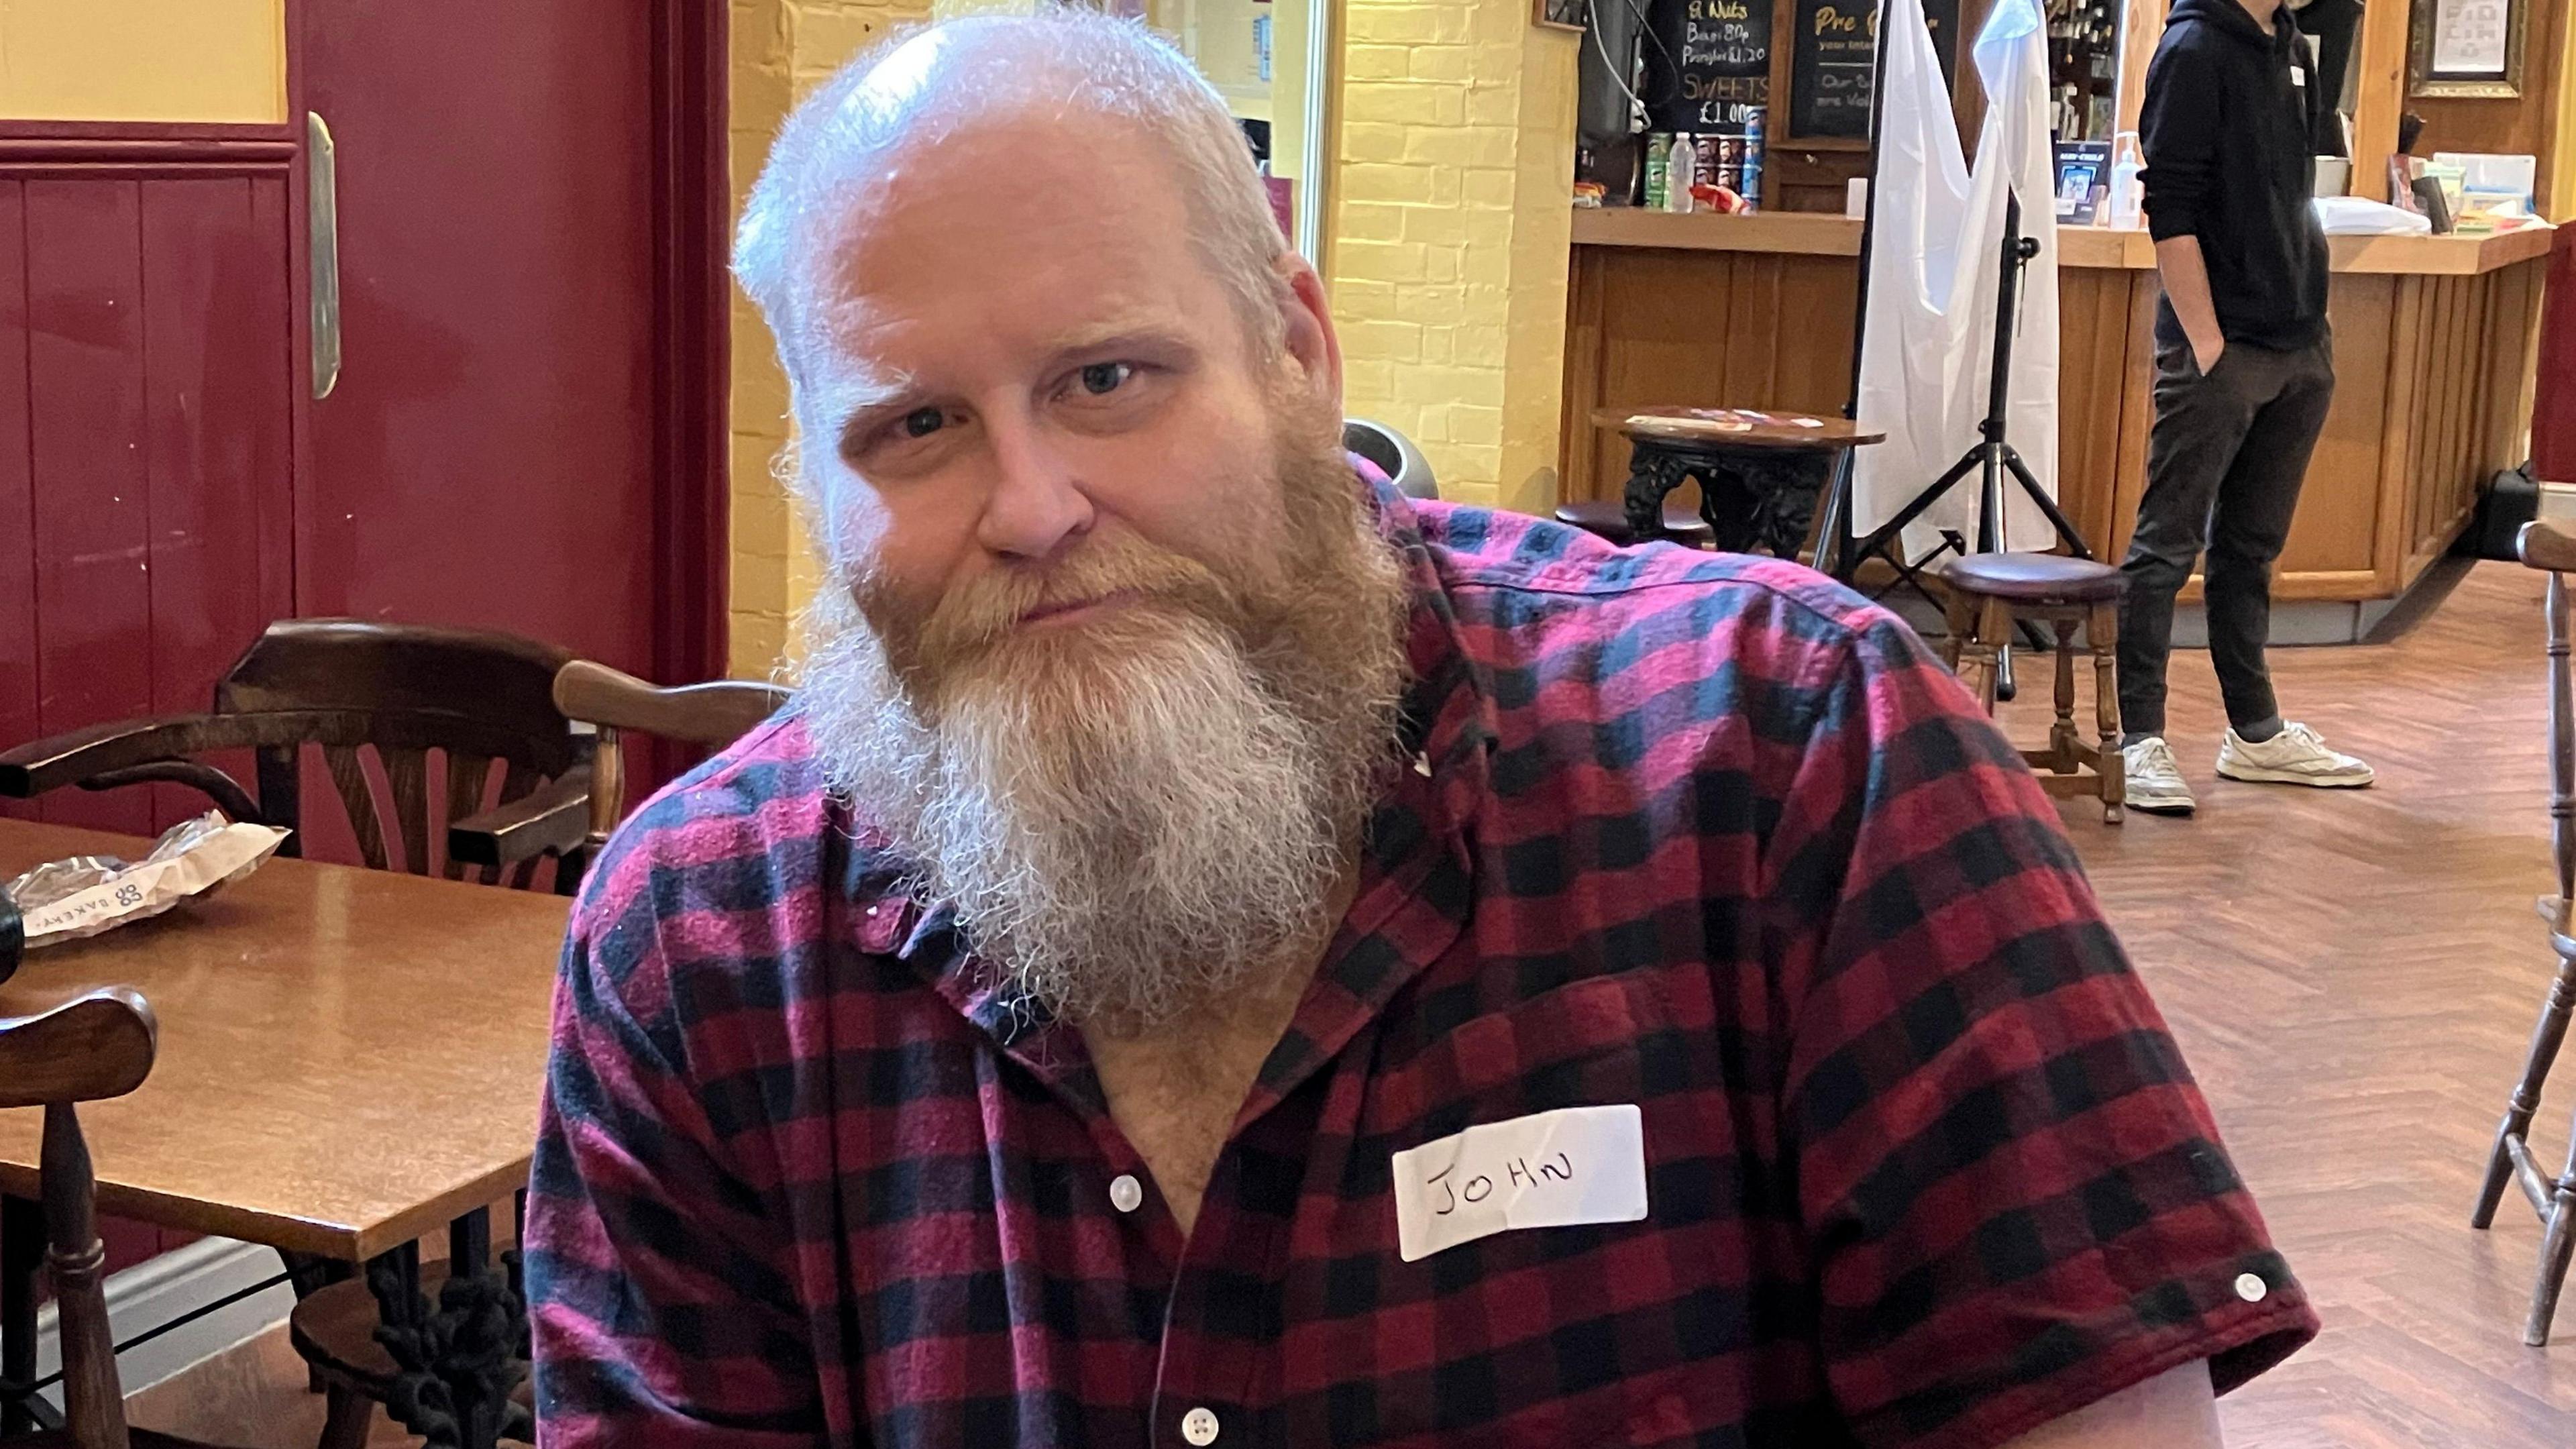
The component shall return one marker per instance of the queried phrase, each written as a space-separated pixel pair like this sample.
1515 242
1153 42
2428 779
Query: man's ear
1310 341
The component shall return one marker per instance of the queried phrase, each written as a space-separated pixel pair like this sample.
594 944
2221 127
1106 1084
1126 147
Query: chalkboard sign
1833 67
1707 61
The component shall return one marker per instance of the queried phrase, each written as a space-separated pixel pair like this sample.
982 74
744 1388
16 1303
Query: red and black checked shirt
1703 834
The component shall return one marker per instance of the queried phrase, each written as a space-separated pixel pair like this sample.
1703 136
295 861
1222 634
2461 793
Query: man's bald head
925 85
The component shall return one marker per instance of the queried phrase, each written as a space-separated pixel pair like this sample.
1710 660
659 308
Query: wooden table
1759 473
349 1060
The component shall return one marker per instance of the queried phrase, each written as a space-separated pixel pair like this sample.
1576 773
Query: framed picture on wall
1562 14
2465 48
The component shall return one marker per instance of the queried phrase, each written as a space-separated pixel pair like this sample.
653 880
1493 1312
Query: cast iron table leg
22 1250
1653 471
460 1361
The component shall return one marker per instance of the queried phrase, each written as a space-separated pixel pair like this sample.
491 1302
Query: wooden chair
613 703
353 687
715 714
2550 545
86 1050
332 1327
1607 519
482 700
1989 592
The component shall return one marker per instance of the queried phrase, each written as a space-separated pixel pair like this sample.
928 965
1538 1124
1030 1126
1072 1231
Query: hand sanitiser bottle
2128 193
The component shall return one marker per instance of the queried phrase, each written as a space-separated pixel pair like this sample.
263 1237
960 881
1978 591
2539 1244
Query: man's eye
1106 377
922 422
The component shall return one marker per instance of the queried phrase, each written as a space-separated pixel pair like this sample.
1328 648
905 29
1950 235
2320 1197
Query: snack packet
66 900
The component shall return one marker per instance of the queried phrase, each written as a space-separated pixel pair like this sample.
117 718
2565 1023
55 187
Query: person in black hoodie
2244 374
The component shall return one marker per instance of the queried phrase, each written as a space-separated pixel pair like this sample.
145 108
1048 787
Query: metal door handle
322 217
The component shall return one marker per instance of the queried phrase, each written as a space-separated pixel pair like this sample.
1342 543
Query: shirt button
2251 1287
1199 1427
1127 1194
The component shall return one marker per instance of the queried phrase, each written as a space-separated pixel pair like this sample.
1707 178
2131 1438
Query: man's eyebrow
861 403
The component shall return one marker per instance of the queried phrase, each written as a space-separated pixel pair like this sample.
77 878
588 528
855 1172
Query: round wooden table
1759 473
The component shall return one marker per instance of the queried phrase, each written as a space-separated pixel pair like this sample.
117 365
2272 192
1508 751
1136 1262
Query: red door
526 432
496 450
146 407
527 429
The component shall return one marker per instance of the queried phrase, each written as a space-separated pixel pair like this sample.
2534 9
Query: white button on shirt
1127 1194
1199 1427
2251 1287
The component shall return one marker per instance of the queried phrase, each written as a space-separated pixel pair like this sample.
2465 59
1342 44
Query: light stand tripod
1991 456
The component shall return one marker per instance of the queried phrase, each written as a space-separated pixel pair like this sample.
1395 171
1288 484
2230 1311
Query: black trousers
2224 464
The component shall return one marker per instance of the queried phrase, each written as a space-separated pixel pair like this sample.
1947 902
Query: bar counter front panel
2433 340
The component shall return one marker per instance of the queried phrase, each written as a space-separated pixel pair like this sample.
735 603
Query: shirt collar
1447 718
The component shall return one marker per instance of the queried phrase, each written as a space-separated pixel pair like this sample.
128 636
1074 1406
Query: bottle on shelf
2128 195
1680 170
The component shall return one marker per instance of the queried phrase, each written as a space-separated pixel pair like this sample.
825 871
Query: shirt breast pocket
1593 1042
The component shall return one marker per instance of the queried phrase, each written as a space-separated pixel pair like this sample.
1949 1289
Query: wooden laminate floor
2353 976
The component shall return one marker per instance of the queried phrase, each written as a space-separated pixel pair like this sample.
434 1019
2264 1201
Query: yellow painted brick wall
1451 234
781 49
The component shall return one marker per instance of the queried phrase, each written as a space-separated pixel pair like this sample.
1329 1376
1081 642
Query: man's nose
1037 503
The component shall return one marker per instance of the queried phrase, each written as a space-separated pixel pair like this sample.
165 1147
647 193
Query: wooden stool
2549 544
1988 592
1608 518
1759 473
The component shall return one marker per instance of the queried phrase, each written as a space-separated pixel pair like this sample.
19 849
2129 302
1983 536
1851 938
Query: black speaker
2511 500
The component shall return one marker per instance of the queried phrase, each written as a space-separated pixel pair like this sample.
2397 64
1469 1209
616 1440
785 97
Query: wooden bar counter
2433 359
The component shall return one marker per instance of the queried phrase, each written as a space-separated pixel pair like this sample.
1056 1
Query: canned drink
1659 146
1721 161
1754 117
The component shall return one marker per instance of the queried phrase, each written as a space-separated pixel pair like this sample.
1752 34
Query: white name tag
1552 1170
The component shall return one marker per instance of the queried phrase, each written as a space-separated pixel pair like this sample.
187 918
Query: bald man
1219 953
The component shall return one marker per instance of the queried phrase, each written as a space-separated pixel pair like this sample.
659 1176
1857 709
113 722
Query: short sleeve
2016 1199
661 1291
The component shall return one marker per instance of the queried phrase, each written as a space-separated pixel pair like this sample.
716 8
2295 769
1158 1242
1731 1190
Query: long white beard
1134 817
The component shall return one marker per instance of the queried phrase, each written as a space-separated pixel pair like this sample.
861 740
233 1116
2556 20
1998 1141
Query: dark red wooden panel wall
146 481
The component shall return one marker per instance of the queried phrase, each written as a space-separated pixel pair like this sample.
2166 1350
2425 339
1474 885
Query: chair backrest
615 702
2549 544
1394 454
481 701
97 1046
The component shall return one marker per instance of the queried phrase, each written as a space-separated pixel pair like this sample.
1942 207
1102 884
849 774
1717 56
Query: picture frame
2466 48
1557 14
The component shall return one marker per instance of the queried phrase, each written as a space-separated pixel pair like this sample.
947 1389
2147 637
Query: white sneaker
2295 756
2155 781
